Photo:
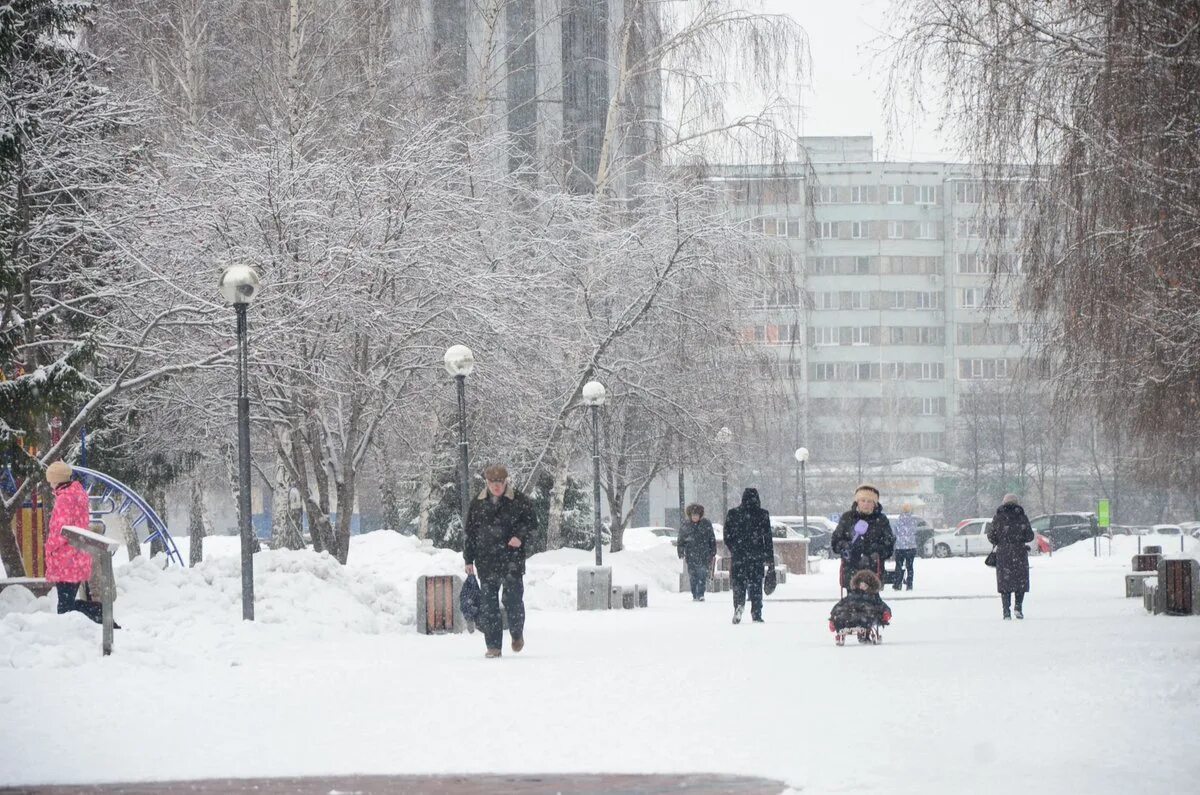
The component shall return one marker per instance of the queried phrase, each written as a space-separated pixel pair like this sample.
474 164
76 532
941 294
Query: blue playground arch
117 498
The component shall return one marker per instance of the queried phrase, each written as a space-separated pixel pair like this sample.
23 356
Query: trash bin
1179 579
437 604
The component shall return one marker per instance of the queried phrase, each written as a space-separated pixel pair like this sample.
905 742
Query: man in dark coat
1010 531
697 546
747 535
499 523
863 536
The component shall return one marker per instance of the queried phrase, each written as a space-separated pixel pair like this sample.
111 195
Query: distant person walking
697 547
863 536
906 547
500 522
1010 531
67 567
747 535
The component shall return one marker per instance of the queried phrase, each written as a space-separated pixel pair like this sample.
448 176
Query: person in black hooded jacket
864 536
1010 531
747 535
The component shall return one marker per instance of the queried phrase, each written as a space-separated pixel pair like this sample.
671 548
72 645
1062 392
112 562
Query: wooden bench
40 586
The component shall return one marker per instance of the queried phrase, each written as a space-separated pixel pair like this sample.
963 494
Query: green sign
1102 513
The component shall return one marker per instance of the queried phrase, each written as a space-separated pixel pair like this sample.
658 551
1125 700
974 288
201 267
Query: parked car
1191 528
970 538
1166 530
1064 529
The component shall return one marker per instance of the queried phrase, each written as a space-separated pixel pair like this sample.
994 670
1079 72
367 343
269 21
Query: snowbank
179 612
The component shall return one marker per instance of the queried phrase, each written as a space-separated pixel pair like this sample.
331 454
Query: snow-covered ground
1088 694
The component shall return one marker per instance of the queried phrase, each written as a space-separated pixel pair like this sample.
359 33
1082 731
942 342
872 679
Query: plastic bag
470 601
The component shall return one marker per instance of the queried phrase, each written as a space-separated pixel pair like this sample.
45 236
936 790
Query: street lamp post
593 395
801 458
459 362
724 437
239 285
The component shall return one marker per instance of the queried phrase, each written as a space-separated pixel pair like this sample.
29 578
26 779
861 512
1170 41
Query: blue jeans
697 578
904 558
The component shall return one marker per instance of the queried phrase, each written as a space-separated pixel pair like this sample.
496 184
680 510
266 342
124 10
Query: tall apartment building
544 72
879 304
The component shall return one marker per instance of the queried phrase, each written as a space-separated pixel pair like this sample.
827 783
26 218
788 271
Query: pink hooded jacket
65 563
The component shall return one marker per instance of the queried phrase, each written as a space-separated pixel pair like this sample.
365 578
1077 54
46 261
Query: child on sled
861 612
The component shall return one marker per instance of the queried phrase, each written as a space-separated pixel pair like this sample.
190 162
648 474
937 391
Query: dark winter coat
860 609
490 526
747 532
869 550
1010 532
697 543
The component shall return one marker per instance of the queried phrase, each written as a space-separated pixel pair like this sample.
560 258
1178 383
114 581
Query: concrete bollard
616 596
1135 584
593 587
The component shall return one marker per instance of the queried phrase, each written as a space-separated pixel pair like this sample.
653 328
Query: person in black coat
864 536
697 547
747 535
499 523
1010 531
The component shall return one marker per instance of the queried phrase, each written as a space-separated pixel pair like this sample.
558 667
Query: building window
895 230
862 194
825 230
966 227
926 194
968 192
827 194
860 335
932 371
825 371
933 406
823 335
760 333
897 299
793 227
929 442
858 229
862 266
925 300
895 194
859 299
970 263
970 298
893 371
862 371
926 230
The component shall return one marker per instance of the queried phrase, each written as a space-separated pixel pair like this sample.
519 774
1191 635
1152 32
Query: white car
798 521
1166 530
970 538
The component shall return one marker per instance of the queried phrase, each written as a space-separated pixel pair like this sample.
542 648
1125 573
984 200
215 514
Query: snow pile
181 612
1123 548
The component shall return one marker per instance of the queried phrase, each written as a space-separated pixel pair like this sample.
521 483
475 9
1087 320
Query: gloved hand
860 528
832 628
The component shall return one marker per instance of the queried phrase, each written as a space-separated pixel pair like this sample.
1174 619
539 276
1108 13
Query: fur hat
867 576
873 492
58 472
496 472
1010 499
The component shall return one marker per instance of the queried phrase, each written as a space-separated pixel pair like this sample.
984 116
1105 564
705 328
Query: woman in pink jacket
66 566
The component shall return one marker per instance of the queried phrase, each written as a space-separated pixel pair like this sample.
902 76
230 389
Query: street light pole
802 458
593 395
239 285
464 499
724 436
460 362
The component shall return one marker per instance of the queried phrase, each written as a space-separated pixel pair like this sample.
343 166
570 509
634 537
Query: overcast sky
847 85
